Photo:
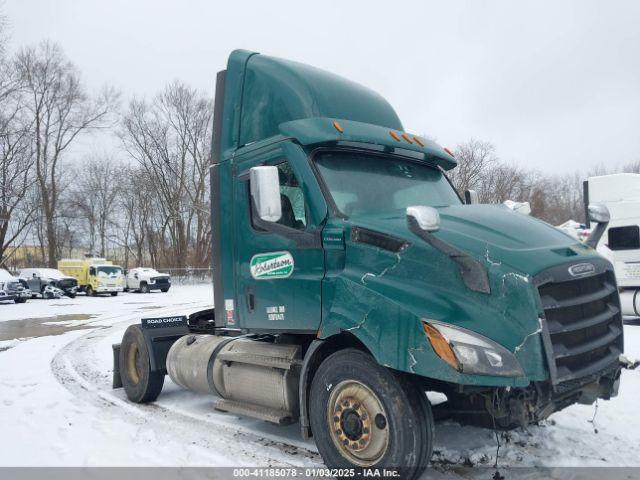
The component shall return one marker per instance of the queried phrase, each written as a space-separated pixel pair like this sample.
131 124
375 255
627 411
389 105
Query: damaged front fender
383 305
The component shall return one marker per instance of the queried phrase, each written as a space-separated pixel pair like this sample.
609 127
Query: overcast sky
554 85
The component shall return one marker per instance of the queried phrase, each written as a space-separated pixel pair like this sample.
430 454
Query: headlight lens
470 352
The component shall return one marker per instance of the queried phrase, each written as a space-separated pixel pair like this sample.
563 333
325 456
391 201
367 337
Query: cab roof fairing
258 93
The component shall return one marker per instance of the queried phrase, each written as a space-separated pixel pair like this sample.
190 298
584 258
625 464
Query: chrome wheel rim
358 423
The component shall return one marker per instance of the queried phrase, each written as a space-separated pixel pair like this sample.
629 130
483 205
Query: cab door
279 265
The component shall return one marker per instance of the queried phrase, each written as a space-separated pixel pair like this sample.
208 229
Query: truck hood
492 233
57 279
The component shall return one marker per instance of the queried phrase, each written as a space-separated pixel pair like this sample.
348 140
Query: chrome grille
583 321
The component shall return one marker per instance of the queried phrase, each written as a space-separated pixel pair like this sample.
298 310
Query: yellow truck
94 275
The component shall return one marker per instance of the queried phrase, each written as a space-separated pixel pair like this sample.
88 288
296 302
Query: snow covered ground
57 407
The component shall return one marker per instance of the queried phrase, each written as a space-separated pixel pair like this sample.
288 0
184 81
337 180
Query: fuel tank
252 377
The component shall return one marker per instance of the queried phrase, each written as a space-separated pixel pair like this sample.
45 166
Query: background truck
39 279
620 242
94 275
144 280
350 278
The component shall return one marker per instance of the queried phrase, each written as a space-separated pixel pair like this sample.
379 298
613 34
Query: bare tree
632 167
15 154
136 204
170 138
94 196
474 159
16 178
61 111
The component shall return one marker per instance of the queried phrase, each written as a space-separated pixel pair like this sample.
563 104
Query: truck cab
94 275
350 278
144 280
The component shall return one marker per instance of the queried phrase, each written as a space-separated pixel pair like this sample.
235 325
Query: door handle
251 298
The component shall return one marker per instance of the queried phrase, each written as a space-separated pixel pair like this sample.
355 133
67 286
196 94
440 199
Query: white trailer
621 241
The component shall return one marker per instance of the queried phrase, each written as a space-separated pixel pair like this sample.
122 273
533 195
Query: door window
292 199
624 238
294 208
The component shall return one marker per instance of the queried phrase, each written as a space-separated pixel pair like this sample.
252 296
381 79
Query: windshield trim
324 188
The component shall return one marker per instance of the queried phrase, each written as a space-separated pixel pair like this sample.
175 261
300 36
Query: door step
279 417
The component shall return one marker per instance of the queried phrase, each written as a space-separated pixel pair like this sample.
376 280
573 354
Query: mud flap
117 380
159 334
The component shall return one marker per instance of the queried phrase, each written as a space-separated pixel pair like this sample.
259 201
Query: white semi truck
621 240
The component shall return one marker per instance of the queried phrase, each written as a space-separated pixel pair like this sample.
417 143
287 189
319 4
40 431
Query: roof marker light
394 135
337 126
407 138
449 152
418 140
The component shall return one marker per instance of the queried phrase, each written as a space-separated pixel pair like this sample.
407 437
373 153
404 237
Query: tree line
147 202
553 198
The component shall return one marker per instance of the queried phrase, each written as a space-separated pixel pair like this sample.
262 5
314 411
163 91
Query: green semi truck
350 278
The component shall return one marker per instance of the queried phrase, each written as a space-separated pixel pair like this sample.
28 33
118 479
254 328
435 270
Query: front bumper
6 297
69 290
103 289
508 408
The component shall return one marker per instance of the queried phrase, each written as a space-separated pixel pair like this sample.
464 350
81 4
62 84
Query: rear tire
164 290
114 294
20 300
140 384
365 416
144 288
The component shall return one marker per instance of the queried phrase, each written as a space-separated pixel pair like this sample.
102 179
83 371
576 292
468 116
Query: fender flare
310 359
319 349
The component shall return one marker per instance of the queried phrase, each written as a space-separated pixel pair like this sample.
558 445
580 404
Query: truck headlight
470 352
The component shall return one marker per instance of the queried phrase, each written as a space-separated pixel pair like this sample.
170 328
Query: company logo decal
581 269
265 266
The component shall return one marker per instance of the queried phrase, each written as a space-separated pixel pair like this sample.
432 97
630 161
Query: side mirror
471 197
600 215
427 218
265 192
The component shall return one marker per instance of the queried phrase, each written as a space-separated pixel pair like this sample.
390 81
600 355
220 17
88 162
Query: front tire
90 291
144 288
363 415
114 294
140 384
